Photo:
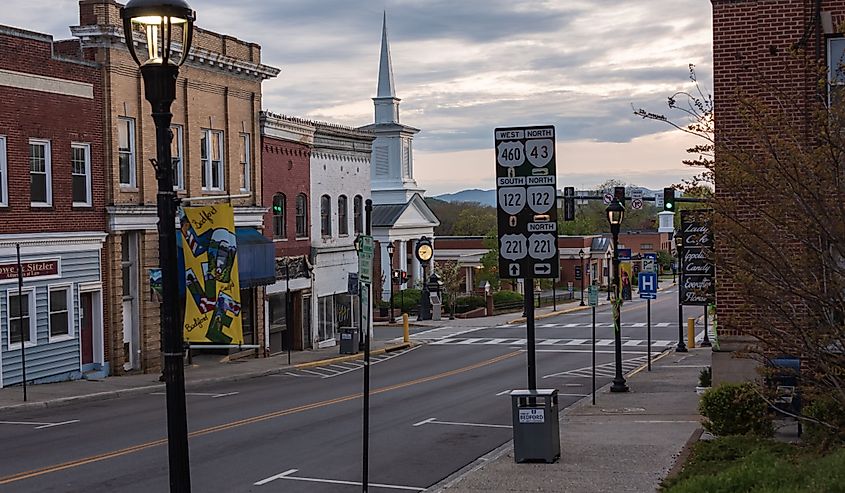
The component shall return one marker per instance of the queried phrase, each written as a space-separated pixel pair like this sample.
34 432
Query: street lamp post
609 260
390 249
679 245
158 19
581 255
615 213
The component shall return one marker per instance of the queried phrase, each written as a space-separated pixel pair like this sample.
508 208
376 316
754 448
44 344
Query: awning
256 259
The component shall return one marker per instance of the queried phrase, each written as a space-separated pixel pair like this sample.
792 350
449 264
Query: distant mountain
484 197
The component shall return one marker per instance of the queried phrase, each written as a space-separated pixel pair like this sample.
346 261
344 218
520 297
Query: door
306 322
86 327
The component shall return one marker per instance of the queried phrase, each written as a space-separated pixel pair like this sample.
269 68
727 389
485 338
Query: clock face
424 252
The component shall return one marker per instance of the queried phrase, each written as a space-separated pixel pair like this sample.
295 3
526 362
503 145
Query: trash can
536 429
348 340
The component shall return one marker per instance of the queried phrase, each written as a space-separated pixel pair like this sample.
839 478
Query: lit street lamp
159 20
615 213
390 249
581 254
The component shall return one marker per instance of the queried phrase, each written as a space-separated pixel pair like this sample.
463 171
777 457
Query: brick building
216 132
52 207
286 146
758 46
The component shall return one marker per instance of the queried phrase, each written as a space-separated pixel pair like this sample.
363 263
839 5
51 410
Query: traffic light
669 199
396 275
403 277
619 194
277 207
569 203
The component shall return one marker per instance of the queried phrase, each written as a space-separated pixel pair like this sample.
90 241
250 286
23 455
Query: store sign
39 268
699 272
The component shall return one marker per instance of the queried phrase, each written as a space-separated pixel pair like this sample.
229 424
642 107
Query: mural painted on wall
213 303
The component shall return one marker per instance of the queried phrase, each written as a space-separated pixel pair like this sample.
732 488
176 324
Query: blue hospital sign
647 285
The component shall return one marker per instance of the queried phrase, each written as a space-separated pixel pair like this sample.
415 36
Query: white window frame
33 334
4 170
207 163
132 168
179 182
88 191
246 145
48 172
70 313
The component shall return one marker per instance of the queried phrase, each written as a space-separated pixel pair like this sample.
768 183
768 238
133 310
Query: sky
465 67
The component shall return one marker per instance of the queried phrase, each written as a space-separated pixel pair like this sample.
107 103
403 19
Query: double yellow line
243 422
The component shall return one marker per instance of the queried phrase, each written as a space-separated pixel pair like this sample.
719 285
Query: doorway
91 334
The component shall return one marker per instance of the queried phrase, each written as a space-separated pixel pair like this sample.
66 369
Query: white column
385 271
416 267
403 258
470 281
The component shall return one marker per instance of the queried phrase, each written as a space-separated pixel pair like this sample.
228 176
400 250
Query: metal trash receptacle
348 340
536 429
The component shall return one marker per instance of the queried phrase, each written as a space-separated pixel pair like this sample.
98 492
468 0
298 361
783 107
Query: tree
490 261
779 219
451 277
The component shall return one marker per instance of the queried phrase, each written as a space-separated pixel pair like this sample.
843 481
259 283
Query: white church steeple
386 102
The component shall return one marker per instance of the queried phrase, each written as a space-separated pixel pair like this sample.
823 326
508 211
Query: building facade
52 209
215 146
286 146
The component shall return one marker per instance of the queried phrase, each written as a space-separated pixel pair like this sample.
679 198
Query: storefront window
18 317
59 319
247 316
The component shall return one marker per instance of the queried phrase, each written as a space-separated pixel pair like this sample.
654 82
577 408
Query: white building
340 185
400 214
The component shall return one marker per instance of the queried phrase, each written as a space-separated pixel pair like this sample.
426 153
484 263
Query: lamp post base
681 348
619 385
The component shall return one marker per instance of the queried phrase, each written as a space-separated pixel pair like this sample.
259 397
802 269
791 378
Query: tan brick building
217 143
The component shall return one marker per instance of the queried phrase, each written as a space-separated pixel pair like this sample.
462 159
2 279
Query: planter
700 390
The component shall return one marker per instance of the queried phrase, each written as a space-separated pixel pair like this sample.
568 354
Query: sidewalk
627 442
206 369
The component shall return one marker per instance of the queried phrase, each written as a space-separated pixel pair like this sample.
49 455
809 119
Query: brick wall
286 169
29 113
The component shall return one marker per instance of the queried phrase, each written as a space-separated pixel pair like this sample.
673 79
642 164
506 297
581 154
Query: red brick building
52 206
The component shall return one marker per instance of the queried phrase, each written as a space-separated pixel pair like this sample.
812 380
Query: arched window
279 216
301 216
358 214
342 216
325 215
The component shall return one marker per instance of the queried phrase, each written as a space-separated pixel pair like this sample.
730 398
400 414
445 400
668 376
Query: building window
342 216
279 216
80 168
358 214
19 312
211 154
301 216
126 265
126 151
836 69
177 157
40 182
4 186
646 246
325 216
246 153
61 321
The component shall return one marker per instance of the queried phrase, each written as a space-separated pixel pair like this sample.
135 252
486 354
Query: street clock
424 250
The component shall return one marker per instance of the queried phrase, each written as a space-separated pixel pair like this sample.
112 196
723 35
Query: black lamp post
390 249
615 214
679 246
609 257
581 255
158 20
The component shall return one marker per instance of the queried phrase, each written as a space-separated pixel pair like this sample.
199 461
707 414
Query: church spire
386 102
385 68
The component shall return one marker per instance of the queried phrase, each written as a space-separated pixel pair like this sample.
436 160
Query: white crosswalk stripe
336 369
463 341
447 332
603 370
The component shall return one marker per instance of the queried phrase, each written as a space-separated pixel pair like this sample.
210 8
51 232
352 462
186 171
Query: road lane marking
12 478
37 425
287 475
213 395
433 421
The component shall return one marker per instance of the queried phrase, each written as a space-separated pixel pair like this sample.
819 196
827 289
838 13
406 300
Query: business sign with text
698 286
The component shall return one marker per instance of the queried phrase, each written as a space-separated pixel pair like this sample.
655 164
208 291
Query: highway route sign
526 198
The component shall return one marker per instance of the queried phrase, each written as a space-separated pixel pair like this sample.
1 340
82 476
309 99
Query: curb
506 447
115 394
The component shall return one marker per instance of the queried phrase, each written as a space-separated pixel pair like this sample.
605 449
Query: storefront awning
256 259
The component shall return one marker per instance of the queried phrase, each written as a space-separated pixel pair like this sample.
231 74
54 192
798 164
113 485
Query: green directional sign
593 295
365 260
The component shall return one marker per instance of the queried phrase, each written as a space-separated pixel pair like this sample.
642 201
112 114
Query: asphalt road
434 409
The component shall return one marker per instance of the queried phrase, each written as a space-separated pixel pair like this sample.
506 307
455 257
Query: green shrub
735 409
407 300
507 298
467 303
705 377
828 411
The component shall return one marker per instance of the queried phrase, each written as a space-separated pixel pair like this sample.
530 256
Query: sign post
526 193
594 301
647 282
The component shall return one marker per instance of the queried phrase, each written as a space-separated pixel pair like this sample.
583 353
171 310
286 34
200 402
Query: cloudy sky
464 67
